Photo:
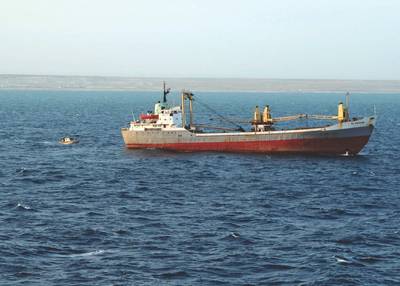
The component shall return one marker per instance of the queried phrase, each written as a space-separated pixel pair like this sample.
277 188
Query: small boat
68 141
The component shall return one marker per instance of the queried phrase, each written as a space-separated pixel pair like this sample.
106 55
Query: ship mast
165 92
187 95
191 112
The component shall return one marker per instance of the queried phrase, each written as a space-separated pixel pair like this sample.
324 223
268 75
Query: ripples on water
98 214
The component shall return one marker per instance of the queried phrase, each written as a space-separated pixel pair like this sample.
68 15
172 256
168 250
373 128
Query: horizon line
193 77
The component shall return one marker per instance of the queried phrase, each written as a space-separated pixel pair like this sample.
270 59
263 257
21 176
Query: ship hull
346 138
311 146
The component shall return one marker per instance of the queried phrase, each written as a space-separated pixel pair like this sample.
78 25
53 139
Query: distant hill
196 84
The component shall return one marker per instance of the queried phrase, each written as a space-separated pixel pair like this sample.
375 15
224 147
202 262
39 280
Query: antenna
165 92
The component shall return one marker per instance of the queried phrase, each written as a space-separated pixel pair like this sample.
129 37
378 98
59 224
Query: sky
288 39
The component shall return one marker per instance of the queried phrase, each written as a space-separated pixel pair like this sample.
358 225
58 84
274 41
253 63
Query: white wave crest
341 259
234 235
91 253
25 207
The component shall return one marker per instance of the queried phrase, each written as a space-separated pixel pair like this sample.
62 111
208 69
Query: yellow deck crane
264 121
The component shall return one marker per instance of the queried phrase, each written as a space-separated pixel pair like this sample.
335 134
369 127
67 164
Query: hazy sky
342 39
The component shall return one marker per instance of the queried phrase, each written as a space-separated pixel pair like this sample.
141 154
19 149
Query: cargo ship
167 127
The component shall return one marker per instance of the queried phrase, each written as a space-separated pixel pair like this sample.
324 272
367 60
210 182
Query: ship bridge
161 119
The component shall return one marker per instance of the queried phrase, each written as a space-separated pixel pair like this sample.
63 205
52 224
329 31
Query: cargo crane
264 121
260 122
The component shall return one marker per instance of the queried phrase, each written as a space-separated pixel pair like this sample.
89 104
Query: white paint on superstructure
170 119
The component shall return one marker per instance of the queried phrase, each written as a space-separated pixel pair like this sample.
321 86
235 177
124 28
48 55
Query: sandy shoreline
101 83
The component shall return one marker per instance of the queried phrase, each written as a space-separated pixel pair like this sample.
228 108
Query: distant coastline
98 83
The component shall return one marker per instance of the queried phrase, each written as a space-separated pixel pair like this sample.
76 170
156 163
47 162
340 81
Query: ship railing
215 127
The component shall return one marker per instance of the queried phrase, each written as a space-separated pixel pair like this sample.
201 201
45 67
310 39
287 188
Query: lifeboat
68 141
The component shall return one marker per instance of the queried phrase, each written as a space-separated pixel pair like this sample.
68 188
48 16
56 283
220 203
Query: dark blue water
98 214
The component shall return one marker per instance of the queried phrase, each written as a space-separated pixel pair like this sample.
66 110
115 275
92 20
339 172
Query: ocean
96 213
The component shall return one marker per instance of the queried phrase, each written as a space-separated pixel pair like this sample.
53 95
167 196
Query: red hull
352 145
